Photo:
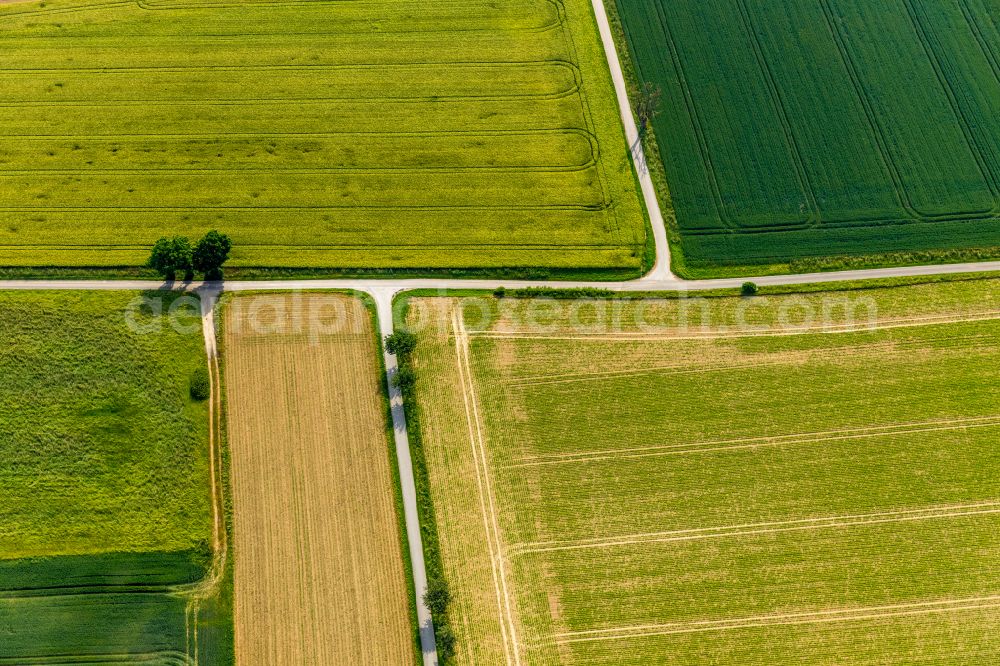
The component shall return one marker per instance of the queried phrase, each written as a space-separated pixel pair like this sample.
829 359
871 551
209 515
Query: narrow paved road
383 291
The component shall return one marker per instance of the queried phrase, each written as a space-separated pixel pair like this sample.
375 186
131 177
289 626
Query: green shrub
445 639
749 289
437 597
201 386
404 378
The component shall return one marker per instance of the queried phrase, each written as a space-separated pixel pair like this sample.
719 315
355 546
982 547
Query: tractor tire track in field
754 442
968 342
162 658
788 619
209 586
584 204
671 451
783 331
486 498
756 529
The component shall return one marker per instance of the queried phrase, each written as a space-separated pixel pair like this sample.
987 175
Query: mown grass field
794 132
319 572
716 486
104 467
319 135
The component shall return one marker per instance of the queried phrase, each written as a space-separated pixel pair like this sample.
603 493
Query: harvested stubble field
724 495
104 467
831 127
386 134
319 572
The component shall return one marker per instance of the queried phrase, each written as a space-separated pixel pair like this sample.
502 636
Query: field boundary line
797 525
755 442
787 619
486 502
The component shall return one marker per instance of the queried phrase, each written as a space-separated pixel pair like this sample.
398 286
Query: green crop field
391 134
798 130
734 482
104 465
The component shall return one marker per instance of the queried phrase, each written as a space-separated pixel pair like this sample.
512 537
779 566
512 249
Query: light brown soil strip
320 576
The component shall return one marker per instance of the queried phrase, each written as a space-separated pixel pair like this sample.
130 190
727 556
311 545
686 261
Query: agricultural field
391 134
319 571
106 550
792 132
720 480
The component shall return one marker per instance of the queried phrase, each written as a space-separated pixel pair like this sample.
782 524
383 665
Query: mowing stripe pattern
317 134
796 129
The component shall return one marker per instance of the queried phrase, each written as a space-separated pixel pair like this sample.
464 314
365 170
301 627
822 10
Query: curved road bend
383 291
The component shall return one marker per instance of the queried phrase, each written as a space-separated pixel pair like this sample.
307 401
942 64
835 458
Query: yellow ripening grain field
319 574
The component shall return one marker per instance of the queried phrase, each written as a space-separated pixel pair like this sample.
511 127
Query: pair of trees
171 256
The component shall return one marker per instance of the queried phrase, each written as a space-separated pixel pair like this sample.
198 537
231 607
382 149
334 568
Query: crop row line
753 444
67 10
409 64
569 168
758 529
319 35
462 5
984 44
762 331
672 370
82 590
923 36
110 209
970 216
778 102
287 101
787 619
878 132
900 347
152 6
256 135
351 246
697 123
161 658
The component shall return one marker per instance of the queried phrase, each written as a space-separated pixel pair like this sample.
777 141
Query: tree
437 597
201 387
170 256
404 379
749 289
444 637
400 342
647 105
210 253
